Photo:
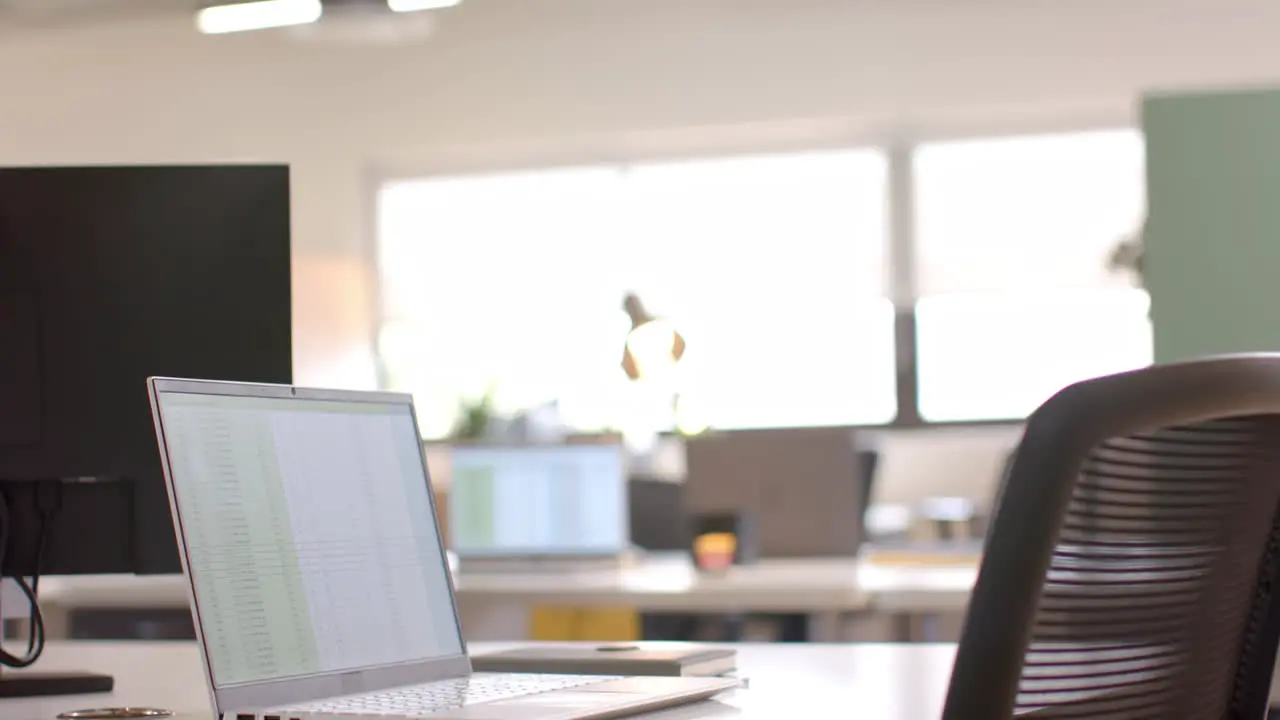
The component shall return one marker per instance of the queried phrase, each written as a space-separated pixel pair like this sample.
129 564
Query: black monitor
109 275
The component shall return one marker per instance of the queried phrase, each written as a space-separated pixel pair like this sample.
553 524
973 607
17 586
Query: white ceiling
53 13
38 6
50 14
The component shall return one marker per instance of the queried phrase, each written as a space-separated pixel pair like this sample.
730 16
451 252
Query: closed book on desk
664 659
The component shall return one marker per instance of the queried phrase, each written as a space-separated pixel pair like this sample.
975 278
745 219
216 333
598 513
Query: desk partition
805 488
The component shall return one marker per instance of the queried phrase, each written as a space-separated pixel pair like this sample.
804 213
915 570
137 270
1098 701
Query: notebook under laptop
318 579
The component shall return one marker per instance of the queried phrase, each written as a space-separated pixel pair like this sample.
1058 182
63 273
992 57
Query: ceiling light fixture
257 15
405 6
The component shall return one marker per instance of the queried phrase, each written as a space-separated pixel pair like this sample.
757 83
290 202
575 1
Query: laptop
318 580
546 502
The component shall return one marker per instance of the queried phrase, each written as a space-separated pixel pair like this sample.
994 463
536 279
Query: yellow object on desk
907 557
564 624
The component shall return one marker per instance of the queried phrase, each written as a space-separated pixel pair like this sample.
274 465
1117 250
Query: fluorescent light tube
404 6
258 15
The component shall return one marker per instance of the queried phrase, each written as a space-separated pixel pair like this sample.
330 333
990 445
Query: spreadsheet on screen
527 501
310 538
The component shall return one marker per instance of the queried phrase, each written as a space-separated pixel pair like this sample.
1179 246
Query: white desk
495 606
668 582
871 682
924 602
660 582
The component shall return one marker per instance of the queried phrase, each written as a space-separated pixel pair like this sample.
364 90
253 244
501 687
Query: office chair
868 463
657 514
1132 567
982 525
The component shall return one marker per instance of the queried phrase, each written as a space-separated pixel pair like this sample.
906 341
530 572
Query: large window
773 268
776 270
1015 295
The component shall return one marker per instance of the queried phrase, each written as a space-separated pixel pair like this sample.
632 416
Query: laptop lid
538 501
307 530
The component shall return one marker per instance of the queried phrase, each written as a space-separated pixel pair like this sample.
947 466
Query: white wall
591 78
516 80
508 81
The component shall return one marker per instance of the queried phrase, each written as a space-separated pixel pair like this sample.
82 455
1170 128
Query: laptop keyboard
443 695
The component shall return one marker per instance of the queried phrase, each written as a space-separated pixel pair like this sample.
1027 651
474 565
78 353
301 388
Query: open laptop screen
309 535
564 500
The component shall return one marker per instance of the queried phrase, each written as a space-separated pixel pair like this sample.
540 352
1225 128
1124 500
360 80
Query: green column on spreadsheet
287 595
473 498
281 584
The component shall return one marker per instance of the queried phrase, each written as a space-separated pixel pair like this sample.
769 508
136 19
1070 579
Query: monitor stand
25 684
34 512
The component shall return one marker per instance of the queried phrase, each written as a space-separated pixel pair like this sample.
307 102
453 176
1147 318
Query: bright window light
405 6
1013 238
260 15
800 333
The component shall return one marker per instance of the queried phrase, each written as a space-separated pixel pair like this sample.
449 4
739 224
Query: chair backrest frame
1058 440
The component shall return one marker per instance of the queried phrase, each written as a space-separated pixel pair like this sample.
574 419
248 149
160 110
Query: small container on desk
722 540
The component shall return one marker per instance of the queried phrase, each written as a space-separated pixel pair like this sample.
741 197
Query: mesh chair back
1131 569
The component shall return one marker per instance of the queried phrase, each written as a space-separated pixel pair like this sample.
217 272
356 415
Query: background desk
923 601
497 606
871 682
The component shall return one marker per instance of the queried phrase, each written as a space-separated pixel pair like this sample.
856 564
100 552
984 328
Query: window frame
903 252
717 143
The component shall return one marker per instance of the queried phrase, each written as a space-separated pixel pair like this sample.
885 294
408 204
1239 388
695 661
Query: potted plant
475 419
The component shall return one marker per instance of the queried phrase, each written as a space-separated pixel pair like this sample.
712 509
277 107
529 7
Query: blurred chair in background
806 487
868 461
659 520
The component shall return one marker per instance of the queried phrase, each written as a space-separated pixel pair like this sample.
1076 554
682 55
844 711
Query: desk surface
894 682
657 583
669 582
